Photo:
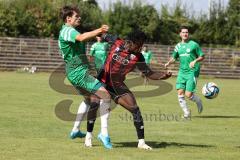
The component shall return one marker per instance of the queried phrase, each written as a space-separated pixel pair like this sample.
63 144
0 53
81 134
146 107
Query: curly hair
136 36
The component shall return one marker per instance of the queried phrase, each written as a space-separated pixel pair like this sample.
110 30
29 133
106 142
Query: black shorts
117 92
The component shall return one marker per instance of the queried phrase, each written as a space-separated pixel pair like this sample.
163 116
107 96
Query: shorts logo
120 59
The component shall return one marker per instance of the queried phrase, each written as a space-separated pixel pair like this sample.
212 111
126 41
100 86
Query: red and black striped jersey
120 61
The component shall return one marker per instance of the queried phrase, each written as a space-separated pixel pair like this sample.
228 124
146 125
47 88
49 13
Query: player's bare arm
159 75
88 35
171 61
199 59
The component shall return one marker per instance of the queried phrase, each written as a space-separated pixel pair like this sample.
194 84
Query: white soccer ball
210 90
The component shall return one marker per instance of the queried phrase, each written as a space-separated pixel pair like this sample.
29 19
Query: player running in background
147 54
72 47
189 54
98 52
123 57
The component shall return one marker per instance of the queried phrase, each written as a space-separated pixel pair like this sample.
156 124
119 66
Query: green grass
30 130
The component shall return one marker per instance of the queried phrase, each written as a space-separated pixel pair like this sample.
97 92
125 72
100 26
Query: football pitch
31 130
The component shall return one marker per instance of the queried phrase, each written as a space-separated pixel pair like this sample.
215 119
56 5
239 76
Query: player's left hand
192 64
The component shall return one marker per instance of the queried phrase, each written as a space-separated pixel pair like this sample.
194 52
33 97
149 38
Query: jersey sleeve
199 51
175 54
69 34
142 66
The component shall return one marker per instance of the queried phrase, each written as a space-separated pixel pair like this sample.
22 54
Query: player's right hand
104 28
166 65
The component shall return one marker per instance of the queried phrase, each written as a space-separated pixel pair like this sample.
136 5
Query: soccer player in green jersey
99 52
189 54
147 54
72 48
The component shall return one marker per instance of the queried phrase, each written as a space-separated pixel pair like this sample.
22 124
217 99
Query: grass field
30 129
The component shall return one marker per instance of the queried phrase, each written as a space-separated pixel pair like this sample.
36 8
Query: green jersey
99 52
186 53
72 51
147 56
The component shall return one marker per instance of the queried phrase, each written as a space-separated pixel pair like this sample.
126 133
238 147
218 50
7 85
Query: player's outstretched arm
159 75
87 35
172 60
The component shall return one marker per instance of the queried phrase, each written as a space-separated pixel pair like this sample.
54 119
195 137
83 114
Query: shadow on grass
214 116
161 144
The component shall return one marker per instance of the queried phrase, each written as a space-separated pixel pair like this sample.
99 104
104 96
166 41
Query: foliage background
40 18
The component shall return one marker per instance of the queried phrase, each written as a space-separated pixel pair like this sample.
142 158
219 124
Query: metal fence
43 55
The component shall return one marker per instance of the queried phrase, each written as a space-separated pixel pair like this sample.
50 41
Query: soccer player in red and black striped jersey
123 57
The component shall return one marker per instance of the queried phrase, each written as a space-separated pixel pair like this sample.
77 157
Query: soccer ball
210 90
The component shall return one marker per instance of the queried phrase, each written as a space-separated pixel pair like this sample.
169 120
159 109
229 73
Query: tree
233 19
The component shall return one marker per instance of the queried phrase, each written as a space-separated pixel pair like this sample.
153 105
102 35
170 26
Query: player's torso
187 54
147 56
68 49
119 62
100 53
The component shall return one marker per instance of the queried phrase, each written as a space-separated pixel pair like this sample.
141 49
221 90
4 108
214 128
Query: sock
195 99
141 141
104 115
138 123
82 110
90 125
89 135
92 115
183 104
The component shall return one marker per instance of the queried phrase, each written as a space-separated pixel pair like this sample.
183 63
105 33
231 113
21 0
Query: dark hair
68 11
136 36
183 27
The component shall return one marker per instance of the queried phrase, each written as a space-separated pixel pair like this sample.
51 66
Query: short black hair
183 27
136 36
68 11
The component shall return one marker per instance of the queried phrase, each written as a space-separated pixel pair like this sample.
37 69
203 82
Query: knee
188 94
106 95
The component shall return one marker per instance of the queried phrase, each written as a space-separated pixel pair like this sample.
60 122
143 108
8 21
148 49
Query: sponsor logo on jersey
120 59
184 55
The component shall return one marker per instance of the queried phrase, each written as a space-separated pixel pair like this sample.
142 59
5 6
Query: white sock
195 99
141 141
89 135
82 110
183 104
104 115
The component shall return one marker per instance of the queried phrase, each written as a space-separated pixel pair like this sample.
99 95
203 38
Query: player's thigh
86 83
